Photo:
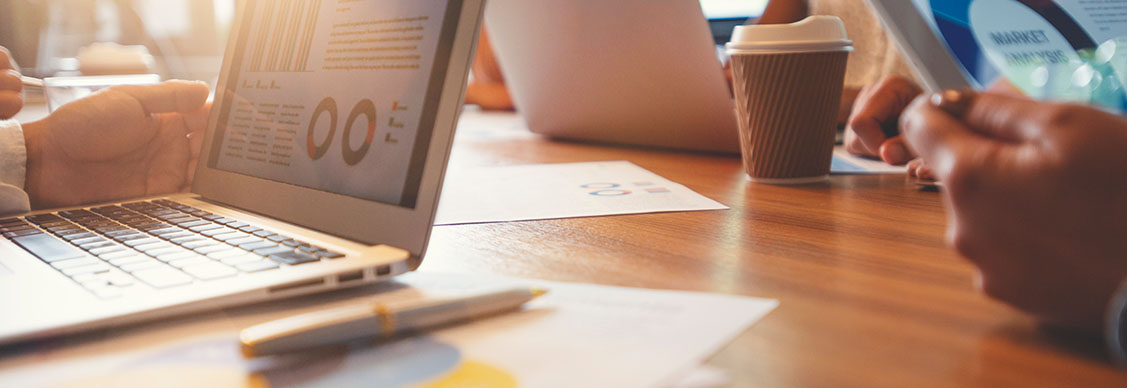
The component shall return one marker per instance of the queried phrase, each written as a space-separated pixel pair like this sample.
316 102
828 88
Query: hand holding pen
1034 193
11 86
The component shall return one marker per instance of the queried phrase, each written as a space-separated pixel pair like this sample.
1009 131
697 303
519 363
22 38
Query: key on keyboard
48 248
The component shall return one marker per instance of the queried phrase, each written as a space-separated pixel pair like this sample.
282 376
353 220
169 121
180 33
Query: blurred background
185 37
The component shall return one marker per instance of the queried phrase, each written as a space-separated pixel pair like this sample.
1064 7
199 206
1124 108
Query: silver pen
374 320
31 81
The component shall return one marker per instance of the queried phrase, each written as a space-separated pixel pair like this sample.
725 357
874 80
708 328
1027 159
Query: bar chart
284 36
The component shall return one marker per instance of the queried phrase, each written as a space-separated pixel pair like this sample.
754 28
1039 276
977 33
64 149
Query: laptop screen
338 96
1052 49
724 15
732 9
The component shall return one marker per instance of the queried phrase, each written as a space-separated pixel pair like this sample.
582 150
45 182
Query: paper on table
477 124
546 191
575 336
703 376
845 163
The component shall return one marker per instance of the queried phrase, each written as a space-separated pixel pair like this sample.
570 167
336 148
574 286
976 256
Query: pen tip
538 292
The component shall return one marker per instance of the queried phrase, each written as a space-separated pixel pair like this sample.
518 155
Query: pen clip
387 319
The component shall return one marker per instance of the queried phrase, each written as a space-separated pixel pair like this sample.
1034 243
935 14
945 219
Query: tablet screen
1052 49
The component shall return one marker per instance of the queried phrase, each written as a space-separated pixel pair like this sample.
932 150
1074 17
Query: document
578 335
845 163
704 376
566 190
478 124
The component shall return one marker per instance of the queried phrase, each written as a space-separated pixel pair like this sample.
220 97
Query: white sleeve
13 168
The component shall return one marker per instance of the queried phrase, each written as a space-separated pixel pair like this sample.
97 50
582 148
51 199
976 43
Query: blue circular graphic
610 193
600 186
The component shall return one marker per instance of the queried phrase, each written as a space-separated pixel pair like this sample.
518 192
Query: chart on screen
331 95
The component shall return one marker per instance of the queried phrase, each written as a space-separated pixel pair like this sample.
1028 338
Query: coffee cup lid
813 34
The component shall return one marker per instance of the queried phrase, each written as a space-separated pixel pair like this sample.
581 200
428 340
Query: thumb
937 137
169 96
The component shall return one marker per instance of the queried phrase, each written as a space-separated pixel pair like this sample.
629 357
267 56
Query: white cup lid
815 33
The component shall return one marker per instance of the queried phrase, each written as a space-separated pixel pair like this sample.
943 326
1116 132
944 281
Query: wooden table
870 295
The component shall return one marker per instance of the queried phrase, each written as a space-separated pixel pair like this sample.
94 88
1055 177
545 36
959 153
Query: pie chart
367 109
317 151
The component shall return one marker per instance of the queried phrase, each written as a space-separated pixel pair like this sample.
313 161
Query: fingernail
925 173
895 153
953 101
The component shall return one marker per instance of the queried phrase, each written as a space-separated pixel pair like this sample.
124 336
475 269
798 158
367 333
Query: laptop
630 72
1053 50
321 169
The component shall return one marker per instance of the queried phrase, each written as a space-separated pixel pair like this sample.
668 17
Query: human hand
1036 197
917 168
487 88
730 77
872 127
11 86
122 142
489 96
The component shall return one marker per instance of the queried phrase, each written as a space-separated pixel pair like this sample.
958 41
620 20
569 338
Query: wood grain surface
870 295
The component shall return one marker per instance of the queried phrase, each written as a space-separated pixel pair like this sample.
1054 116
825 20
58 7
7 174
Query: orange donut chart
318 151
367 108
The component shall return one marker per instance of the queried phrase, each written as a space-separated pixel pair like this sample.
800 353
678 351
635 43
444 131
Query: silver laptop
321 169
639 72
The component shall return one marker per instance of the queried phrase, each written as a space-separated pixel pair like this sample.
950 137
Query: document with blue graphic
568 190
617 337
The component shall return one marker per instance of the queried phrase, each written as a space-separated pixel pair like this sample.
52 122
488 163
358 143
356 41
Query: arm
487 89
785 11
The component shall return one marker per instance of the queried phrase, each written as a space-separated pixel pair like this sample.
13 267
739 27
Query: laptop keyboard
160 243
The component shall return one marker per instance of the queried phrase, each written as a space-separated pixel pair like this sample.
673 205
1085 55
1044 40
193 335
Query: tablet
1061 50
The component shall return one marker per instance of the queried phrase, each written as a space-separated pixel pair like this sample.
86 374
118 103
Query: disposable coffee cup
788 80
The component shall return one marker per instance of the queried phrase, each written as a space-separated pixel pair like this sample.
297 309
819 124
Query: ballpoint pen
956 103
374 320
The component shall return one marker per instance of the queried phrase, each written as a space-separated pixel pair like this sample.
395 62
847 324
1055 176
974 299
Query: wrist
33 135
